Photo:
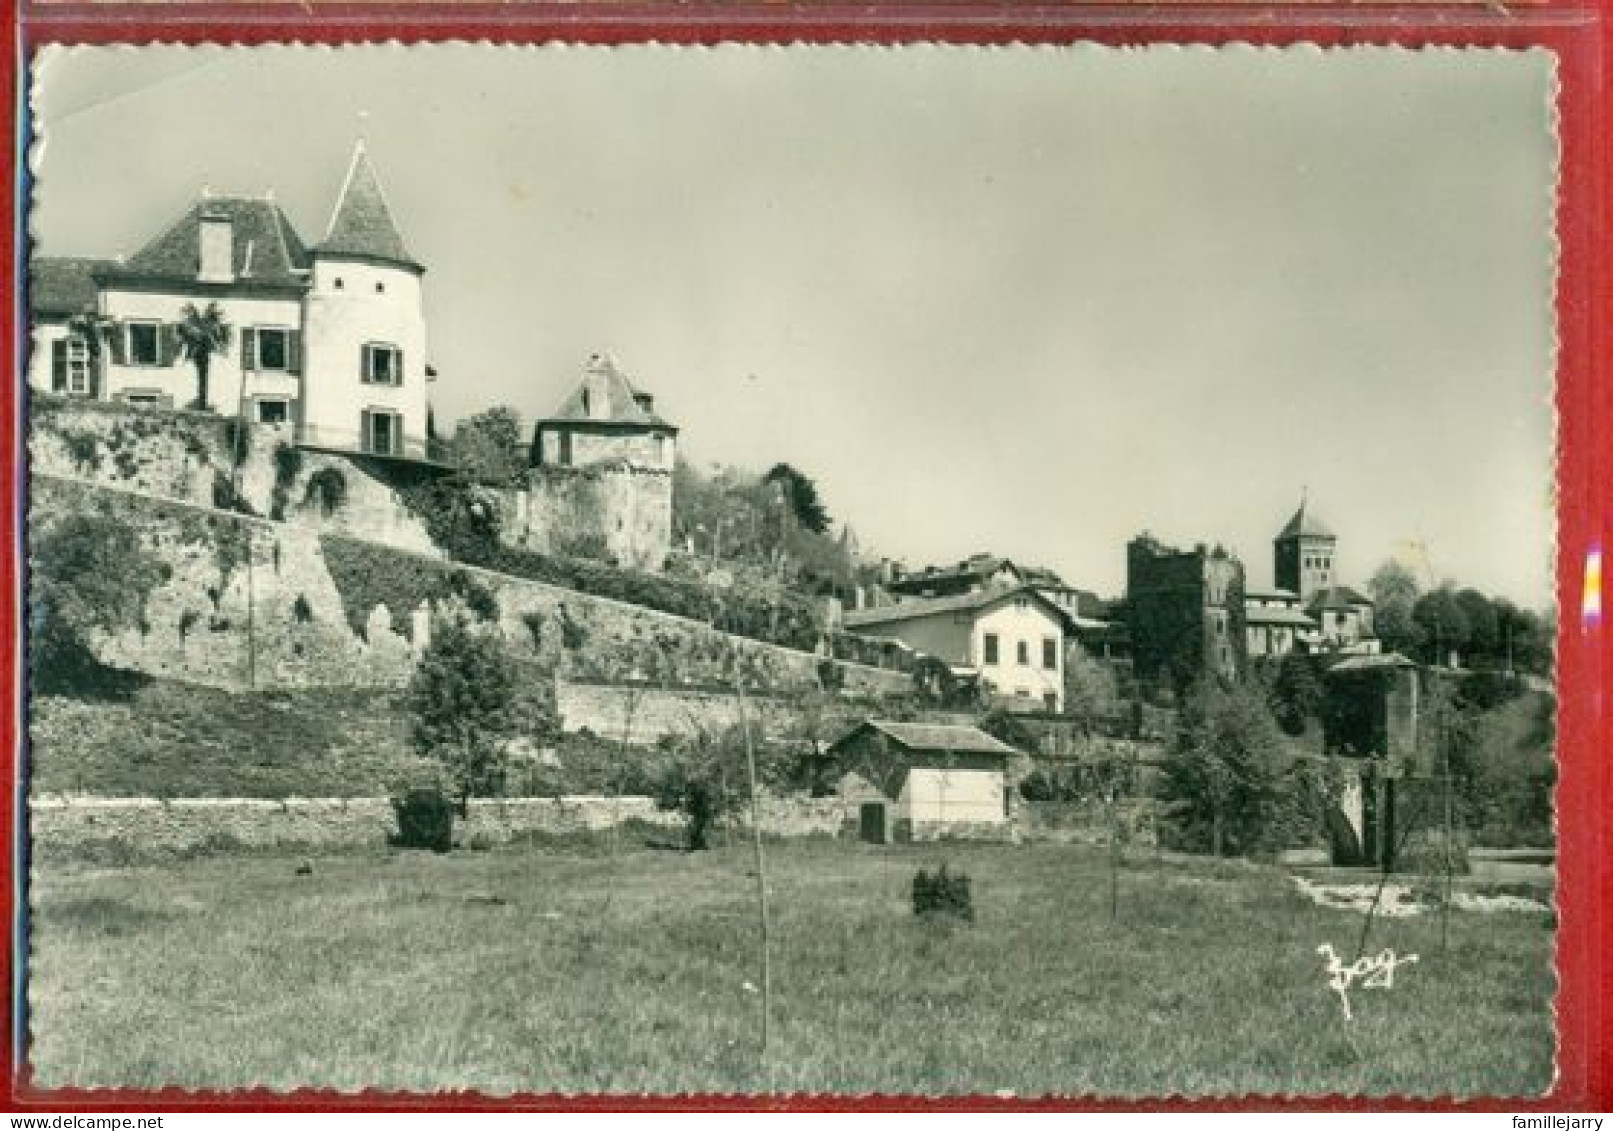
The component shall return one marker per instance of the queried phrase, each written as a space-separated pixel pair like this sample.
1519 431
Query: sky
1030 301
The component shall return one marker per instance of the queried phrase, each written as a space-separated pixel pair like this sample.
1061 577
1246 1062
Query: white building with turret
329 338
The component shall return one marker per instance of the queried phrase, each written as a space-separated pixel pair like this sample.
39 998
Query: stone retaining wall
132 828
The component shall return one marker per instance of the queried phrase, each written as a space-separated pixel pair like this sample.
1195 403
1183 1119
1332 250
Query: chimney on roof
645 401
216 247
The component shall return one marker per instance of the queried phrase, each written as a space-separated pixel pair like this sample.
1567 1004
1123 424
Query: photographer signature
1373 971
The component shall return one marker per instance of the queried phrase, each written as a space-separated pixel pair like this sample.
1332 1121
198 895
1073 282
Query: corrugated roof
604 395
963 602
64 285
1305 524
361 223
937 737
1262 614
265 248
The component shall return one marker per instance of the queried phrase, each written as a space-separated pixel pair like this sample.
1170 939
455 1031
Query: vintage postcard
826 570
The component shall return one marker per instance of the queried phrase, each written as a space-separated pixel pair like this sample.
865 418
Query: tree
487 447
89 573
464 699
1483 629
1090 687
203 334
1223 776
1443 622
1395 591
800 495
1296 693
705 779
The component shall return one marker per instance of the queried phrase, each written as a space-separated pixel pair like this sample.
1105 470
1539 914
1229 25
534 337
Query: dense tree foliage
1296 693
487 447
88 573
1223 780
464 703
1446 622
776 522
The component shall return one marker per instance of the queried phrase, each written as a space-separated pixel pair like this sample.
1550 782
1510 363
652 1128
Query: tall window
142 343
1022 653
989 648
383 432
1050 653
382 365
274 348
78 366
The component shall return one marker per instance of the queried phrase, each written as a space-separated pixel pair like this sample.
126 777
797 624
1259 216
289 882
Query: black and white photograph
827 570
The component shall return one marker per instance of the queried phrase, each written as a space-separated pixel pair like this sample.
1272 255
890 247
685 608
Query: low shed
934 779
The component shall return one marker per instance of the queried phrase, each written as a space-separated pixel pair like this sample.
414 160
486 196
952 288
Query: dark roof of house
1305 524
64 285
1336 597
1371 663
362 224
962 602
265 247
1265 614
977 567
619 401
947 738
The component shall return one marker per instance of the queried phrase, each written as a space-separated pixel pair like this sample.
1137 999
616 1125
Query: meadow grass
535 971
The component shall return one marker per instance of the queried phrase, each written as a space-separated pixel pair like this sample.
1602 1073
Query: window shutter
363 363
58 366
364 429
294 351
118 339
397 361
167 344
249 349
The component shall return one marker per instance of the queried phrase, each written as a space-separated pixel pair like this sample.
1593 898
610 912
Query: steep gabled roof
61 286
1305 524
604 396
934 738
963 602
265 248
361 224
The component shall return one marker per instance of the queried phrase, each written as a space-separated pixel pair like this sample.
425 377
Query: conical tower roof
1305 524
361 224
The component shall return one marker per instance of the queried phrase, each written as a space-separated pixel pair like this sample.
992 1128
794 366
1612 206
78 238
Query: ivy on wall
367 575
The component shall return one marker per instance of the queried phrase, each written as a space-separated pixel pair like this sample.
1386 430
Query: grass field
545 971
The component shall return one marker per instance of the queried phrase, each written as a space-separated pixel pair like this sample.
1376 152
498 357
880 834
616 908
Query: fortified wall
612 511
251 602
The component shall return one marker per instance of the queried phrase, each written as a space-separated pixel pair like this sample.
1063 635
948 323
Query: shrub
327 487
287 464
425 820
227 498
943 896
84 448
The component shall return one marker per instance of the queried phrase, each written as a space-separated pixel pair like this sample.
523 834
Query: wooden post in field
761 863
721 580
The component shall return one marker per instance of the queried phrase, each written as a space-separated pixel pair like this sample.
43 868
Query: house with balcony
329 338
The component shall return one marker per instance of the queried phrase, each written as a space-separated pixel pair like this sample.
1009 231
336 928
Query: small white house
932 780
1011 638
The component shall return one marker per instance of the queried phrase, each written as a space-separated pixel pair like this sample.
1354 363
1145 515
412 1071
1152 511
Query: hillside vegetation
167 739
